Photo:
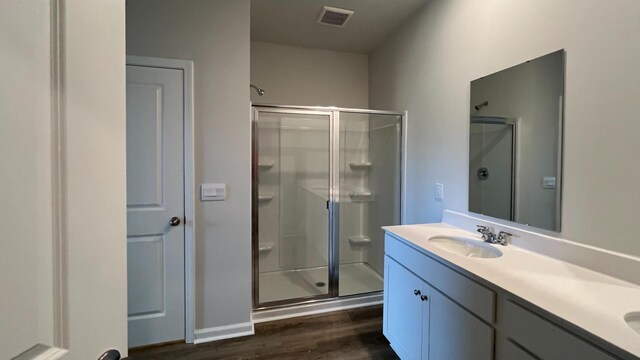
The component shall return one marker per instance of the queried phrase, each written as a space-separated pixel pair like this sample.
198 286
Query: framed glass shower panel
370 147
292 178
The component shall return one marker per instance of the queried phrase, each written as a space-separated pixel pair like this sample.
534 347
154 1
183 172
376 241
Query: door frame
189 181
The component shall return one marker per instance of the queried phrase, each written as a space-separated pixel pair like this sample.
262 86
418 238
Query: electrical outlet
439 191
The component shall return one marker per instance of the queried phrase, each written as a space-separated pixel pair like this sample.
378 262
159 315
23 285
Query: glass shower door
369 181
293 182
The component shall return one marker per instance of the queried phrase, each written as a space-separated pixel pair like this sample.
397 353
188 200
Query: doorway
159 200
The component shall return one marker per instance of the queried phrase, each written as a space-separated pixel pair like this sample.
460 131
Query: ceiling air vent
334 16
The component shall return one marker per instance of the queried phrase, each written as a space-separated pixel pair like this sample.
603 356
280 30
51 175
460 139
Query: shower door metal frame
334 196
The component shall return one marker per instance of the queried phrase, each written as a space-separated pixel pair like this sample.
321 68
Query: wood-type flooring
350 334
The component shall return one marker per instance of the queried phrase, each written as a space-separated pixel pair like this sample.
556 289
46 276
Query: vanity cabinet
539 337
434 312
422 323
406 311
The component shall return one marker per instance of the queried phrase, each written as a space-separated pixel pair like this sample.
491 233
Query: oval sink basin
633 320
465 247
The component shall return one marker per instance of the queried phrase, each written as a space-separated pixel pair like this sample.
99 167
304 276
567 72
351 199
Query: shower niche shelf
266 165
265 248
361 196
265 197
360 165
359 240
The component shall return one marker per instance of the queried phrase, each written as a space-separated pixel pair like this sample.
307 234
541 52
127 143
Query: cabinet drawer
543 338
466 292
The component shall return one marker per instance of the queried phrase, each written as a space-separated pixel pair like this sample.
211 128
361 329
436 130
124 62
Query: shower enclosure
324 181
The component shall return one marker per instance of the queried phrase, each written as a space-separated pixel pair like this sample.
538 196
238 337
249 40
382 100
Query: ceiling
293 22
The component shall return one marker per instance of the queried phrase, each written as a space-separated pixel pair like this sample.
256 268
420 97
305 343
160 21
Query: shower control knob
175 221
424 297
416 292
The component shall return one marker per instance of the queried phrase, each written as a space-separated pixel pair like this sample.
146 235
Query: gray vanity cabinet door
544 339
406 315
507 350
456 334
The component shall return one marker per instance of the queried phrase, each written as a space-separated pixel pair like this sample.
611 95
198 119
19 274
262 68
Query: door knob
483 173
175 221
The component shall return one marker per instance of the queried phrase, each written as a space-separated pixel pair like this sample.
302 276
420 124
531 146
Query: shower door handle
327 204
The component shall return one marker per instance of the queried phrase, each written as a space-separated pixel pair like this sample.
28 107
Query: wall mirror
515 143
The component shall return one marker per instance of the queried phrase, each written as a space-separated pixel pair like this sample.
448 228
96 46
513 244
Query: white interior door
155 204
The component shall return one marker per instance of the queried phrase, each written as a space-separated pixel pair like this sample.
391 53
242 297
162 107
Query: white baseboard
223 332
41 352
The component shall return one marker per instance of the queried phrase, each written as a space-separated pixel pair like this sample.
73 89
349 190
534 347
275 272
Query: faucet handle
487 234
502 235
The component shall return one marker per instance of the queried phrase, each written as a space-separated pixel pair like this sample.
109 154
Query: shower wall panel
268 133
304 189
354 149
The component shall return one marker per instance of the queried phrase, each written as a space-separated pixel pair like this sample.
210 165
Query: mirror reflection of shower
258 90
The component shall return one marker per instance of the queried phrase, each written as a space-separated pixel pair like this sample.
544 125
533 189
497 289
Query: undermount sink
465 247
633 320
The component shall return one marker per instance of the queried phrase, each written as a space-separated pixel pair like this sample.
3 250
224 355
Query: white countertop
590 300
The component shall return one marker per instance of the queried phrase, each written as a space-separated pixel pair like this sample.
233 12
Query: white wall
300 76
426 68
90 284
25 140
94 95
215 35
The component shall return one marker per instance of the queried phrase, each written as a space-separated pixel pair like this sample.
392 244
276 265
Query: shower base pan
355 278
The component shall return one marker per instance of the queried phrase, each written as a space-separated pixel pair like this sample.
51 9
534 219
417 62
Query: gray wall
215 35
426 68
299 76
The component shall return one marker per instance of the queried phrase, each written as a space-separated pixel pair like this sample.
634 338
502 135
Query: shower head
480 106
258 90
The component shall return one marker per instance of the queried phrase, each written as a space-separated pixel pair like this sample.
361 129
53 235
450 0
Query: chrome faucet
489 236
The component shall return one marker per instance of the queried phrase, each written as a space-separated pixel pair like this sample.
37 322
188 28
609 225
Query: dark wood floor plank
351 334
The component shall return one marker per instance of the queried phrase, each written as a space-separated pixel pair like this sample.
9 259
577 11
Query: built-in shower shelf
359 240
266 165
266 197
360 165
361 196
265 248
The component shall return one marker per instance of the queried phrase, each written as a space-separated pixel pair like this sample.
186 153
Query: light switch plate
213 192
549 182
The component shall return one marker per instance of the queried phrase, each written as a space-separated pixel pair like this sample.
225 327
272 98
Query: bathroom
412 68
